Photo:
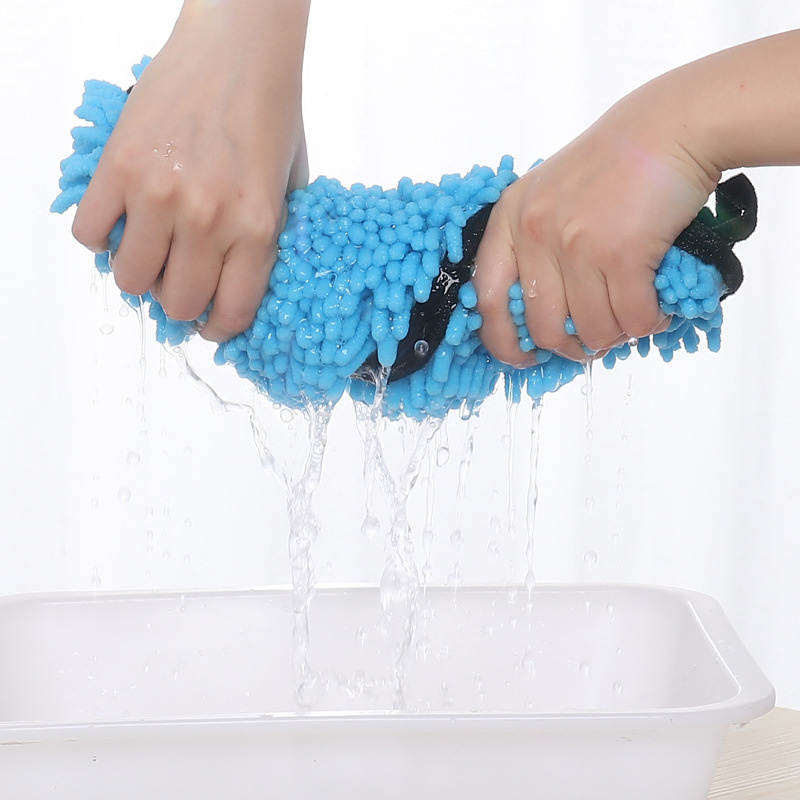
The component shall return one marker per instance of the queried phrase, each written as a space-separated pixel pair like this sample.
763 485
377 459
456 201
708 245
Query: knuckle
82 231
533 223
491 304
201 209
259 222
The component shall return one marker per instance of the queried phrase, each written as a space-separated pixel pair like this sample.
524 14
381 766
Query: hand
584 232
207 147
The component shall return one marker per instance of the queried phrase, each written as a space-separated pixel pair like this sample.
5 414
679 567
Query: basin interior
477 651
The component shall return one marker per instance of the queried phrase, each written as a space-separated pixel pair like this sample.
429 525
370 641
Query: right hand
584 232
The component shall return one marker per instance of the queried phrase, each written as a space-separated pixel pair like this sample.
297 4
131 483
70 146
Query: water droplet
590 558
617 687
287 415
455 578
530 582
124 495
370 527
398 590
133 458
428 535
529 663
615 538
124 310
585 667
187 523
456 538
94 502
106 328
187 451
421 348
493 547
531 291
589 504
442 455
309 693
427 572
424 646
359 681
447 700
96 581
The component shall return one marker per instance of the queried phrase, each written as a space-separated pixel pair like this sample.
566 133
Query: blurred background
118 472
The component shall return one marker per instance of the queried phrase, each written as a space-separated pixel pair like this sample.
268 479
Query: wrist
269 30
664 123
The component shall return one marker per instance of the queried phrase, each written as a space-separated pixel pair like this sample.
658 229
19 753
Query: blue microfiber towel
357 266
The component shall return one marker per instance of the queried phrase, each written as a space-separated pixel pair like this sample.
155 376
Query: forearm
257 31
736 108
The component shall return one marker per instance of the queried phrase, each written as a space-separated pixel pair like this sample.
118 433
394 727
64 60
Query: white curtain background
113 478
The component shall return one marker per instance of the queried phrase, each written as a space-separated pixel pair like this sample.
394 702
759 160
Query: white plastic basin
586 693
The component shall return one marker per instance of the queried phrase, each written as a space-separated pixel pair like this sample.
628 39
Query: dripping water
532 496
512 411
267 458
400 582
428 533
303 530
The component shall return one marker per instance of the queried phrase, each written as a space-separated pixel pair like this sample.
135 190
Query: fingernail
529 361
664 323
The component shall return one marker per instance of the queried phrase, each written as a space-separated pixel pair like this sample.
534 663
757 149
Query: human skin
584 232
207 147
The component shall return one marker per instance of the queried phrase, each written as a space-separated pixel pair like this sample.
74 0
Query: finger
635 303
143 250
242 285
495 272
546 307
98 212
591 310
664 324
191 275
